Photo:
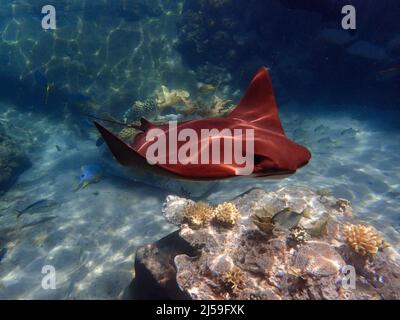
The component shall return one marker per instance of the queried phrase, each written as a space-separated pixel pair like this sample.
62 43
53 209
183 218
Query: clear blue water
337 93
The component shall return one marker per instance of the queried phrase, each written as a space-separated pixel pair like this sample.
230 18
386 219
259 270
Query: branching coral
198 214
179 100
362 239
226 214
169 98
234 279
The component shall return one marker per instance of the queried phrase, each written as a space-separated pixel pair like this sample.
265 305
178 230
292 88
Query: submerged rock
155 271
246 261
13 161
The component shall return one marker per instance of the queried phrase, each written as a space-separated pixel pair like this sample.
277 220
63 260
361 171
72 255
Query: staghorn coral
233 279
226 214
198 214
362 239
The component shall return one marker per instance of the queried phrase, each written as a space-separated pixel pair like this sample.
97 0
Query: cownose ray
275 155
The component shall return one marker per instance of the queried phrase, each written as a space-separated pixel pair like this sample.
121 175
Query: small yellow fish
297 272
307 213
207 88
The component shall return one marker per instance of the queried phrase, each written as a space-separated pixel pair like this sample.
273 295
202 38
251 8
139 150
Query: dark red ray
274 153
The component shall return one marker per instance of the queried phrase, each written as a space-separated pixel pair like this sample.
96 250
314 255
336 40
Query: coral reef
216 108
13 161
226 214
234 279
198 214
362 239
257 259
179 102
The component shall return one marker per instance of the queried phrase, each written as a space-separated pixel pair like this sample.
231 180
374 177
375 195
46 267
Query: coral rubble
257 258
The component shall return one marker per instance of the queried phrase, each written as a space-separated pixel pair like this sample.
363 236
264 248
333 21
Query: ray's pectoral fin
258 105
125 154
121 151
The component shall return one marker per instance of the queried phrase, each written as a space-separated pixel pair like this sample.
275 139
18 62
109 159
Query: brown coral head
226 214
198 214
362 239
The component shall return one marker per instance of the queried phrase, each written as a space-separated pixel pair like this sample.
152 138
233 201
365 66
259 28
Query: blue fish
91 173
42 205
